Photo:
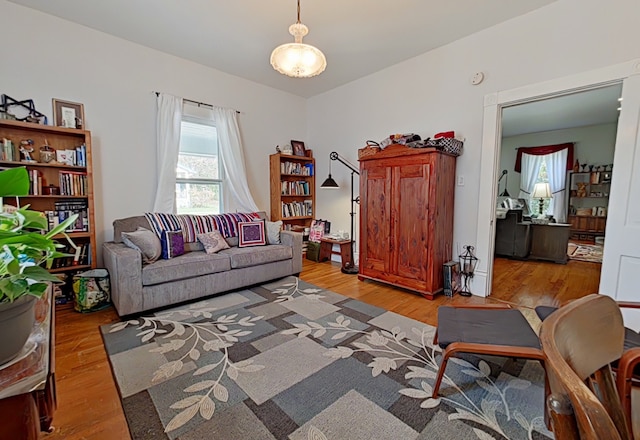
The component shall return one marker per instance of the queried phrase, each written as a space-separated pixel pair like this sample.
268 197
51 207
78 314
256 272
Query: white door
620 277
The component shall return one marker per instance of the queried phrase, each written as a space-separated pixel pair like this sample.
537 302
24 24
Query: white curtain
237 196
168 123
557 172
530 167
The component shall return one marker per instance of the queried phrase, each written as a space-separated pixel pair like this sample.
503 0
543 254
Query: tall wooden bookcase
293 192
57 189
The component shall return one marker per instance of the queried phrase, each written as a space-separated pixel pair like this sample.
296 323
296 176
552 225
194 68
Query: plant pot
16 323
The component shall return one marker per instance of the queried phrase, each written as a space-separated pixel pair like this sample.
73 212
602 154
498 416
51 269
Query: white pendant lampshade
297 59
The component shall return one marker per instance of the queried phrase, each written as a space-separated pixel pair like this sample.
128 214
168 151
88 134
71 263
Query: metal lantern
468 263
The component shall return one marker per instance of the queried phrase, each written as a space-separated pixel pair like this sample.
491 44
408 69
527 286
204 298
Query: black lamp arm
335 156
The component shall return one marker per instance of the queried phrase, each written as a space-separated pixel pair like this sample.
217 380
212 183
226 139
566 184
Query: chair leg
443 367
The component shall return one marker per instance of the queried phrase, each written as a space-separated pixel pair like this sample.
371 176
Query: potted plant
24 250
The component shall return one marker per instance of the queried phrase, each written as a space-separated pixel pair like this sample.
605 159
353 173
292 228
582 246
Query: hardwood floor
88 402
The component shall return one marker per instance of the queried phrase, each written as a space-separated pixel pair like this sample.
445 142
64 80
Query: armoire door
375 216
409 215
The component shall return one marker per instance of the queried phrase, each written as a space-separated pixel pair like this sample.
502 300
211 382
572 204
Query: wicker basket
367 151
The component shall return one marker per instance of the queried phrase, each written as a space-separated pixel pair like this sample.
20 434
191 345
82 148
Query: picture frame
68 114
298 148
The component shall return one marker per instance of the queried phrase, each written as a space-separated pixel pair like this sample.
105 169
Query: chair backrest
580 341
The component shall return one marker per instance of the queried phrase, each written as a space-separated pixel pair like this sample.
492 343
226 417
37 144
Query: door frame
491 143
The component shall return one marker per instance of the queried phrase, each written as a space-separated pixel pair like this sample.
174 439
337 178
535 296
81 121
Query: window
199 176
543 176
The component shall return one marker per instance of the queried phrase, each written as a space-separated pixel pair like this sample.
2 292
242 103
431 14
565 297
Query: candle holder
468 263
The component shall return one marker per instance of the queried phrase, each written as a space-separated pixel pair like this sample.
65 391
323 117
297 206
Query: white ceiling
590 107
358 37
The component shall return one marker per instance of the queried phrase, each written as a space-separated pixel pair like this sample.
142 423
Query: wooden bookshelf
292 182
74 183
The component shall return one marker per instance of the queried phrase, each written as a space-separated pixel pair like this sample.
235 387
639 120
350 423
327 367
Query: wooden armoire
406 217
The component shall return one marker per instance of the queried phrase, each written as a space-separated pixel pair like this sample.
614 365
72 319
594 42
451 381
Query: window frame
220 181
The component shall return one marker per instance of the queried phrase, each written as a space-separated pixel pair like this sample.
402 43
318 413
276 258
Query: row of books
297 209
73 183
8 150
300 188
64 209
296 168
78 256
35 182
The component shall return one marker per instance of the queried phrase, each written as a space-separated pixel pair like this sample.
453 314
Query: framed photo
68 114
298 148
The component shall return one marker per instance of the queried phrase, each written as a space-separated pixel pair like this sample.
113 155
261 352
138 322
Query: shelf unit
588 204
74 184
293 182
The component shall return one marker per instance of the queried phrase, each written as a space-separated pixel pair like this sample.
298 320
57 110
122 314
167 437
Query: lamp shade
541 190
298 60
330 183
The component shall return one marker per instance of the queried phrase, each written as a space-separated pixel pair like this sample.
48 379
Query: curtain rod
198 103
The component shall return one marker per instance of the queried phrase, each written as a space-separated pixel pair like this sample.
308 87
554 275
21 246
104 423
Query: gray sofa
136 287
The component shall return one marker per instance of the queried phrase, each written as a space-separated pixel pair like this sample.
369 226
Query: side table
326 246
27 384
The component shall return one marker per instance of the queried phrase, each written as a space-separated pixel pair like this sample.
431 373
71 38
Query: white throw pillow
273 231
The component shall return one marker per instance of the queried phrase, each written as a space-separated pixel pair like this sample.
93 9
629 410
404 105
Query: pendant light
298 60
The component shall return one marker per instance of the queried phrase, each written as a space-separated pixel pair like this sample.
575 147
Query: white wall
43 57
432 93
593 145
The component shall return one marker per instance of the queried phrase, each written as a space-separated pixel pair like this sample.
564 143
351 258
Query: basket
367 151
448 145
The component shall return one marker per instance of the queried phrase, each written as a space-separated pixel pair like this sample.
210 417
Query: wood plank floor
88 402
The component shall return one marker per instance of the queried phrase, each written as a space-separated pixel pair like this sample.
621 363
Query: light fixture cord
298 12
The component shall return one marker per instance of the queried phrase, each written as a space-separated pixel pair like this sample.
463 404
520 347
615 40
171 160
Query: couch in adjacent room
140 281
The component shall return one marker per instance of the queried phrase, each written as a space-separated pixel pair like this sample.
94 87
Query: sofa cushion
144 241
172 244
254 256
251 234
129 224
189 265
273 231
213 242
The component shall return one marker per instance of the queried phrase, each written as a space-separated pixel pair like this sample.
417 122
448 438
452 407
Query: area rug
288 360
585 252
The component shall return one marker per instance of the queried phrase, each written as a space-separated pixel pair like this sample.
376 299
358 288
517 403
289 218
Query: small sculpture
584 167
582 189
26 148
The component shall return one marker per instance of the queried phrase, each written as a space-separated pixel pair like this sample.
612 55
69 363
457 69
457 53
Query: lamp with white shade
298 60
542 191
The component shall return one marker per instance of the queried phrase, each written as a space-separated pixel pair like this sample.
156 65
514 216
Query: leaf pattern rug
288 360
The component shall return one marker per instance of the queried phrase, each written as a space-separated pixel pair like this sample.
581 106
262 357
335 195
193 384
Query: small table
326 246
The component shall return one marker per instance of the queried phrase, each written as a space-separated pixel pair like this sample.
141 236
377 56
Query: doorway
621 259
586 120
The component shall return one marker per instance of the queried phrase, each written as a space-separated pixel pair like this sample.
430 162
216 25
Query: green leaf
14 182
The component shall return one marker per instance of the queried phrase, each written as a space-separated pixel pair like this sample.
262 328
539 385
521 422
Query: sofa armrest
125 271
293 239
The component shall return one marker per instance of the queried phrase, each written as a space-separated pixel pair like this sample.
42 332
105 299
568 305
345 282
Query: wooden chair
489 329
627 369
580 341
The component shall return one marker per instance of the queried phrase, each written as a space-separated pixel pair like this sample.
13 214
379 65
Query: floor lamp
348 267
505 193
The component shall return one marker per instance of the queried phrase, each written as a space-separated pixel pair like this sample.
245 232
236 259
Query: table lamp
541 190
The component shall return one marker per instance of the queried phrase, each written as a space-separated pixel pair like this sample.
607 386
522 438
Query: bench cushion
485 326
